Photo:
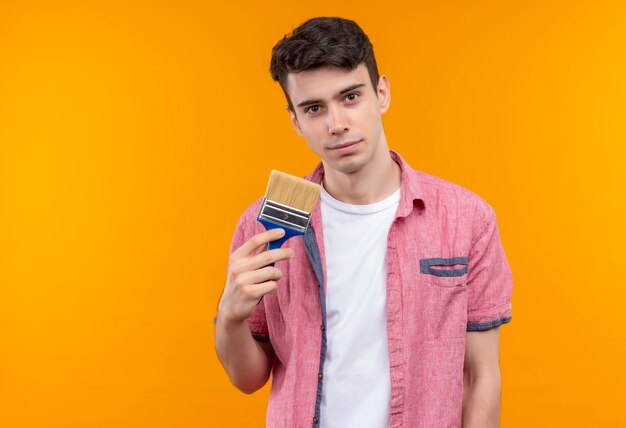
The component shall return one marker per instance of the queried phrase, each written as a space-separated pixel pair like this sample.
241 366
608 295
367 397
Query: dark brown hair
319 42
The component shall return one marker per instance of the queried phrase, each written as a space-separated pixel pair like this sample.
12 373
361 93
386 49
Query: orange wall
132 136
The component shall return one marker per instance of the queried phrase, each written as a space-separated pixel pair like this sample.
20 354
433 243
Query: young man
386 312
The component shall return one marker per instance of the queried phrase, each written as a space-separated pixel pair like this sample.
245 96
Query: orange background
133 135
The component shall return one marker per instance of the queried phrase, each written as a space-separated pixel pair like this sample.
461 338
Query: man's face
339 114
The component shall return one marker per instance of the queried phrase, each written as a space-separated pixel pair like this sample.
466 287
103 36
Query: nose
337 120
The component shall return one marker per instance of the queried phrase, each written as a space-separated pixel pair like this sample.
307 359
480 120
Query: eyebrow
343 91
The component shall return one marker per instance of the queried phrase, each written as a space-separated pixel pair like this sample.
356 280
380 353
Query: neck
378 179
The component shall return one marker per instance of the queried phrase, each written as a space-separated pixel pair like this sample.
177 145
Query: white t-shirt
356 386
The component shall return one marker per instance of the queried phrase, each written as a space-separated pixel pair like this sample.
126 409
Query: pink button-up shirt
446 274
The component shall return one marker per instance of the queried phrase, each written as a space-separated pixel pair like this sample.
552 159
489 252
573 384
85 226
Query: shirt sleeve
257 322
489 282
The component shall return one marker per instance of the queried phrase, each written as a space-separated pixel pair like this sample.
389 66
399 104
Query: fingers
254 284
259 276
250 256
239 301
250 275
265 288
259 240
269 257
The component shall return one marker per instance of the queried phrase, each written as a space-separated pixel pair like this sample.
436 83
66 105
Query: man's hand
247 362
250 277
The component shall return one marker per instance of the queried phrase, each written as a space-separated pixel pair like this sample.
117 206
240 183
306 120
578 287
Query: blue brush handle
289 233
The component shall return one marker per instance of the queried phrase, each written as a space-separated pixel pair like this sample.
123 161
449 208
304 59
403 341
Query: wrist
228 321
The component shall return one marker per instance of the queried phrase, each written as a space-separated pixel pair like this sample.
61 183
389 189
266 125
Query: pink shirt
446 274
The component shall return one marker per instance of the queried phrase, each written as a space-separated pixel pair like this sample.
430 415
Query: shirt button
321 376
315 421
322 327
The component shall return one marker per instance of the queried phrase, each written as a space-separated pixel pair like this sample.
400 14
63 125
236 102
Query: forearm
481 400
248 365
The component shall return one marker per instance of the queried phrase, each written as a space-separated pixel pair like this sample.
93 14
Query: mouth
344 145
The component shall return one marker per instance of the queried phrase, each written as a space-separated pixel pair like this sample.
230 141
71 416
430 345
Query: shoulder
440 195
247 219
447 190
247 226
443 195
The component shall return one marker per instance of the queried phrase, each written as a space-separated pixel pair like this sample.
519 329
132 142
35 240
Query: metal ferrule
284 215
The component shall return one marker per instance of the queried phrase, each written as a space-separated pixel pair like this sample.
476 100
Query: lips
344 144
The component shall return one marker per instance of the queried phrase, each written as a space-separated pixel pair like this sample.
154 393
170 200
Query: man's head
336 97
322 42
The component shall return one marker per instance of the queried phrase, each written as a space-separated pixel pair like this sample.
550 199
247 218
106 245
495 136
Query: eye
312 109
352 96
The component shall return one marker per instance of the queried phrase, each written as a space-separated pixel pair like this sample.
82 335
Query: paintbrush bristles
292 191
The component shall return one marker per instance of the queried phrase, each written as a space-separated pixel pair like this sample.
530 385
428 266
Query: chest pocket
442 283
444 268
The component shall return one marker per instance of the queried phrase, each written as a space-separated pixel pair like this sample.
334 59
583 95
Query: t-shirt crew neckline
376 207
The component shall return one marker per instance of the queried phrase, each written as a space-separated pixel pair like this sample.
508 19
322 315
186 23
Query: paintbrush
288 204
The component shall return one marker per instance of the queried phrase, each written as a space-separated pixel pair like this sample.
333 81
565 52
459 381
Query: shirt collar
410 190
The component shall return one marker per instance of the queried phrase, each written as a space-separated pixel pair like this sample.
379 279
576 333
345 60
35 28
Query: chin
348 166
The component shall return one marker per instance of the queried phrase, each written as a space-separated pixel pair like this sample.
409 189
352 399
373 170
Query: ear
294 121
383 93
